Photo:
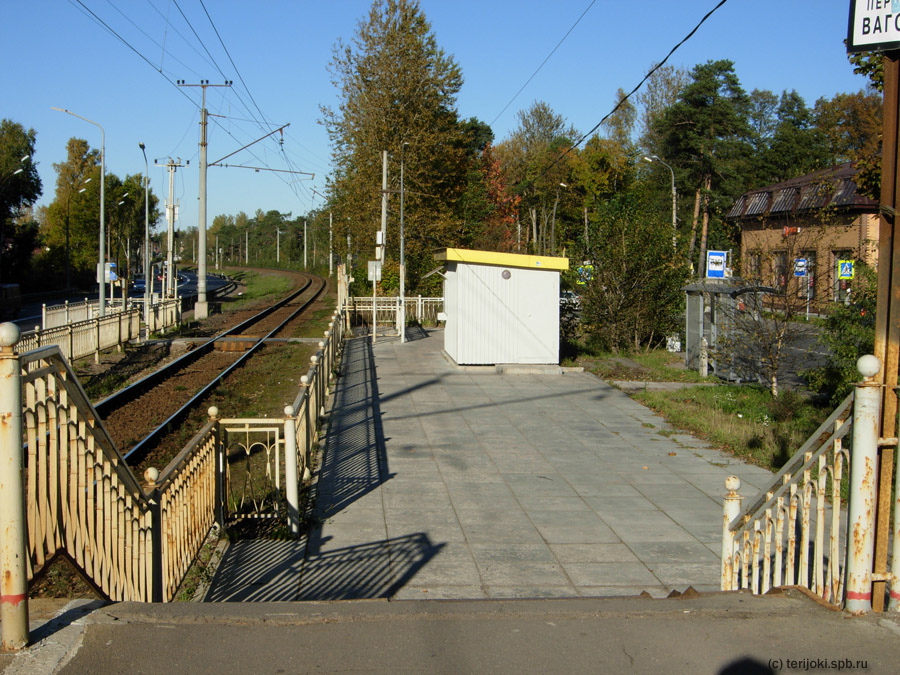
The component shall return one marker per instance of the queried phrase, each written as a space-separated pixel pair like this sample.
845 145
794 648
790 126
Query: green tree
536 160
20 187
636 296
849 333
397 92
706 134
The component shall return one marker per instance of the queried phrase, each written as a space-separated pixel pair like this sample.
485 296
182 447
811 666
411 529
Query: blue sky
277 52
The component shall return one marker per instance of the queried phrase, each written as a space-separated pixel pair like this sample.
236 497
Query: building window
780 270
753 266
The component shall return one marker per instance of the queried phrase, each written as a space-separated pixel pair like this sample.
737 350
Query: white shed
501 307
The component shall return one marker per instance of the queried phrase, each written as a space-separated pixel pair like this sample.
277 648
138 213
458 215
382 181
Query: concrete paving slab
444 482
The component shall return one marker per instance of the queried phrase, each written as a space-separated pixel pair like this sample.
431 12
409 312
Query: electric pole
168 277
201 309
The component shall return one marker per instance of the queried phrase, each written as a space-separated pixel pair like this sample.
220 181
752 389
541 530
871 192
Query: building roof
503 259
835 186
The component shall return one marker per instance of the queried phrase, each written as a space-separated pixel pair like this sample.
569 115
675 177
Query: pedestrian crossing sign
846 269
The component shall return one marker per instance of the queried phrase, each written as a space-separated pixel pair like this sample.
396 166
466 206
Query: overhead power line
543 63
633 91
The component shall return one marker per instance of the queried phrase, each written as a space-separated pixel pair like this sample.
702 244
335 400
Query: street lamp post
147 281
655 158
101 265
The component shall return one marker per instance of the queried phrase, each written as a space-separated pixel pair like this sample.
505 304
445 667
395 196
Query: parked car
10 301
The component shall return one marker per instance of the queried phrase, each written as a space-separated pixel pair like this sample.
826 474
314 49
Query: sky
64 53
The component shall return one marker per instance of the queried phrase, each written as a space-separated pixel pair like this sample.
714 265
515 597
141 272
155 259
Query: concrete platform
446 482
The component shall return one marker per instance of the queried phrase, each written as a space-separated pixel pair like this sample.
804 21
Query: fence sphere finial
732 483
288 411
213 411
9 334
868 365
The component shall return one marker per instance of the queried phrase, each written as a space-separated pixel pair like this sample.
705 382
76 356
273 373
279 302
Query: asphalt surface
477 521
718 633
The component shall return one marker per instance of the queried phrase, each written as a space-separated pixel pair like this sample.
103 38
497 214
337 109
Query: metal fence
83 338
418 309
134 542
814 526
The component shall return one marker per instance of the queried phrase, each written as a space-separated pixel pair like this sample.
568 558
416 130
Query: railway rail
141 415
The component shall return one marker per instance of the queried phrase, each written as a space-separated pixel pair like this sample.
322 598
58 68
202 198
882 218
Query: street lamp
655 158
101 266
146 233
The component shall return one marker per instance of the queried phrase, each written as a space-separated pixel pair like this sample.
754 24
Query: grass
742 419
650 366
258 284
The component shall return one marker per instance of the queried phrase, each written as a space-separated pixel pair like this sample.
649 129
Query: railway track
140 416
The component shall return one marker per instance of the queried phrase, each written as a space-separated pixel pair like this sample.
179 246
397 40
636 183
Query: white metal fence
418 309
67 489
90 336
814 527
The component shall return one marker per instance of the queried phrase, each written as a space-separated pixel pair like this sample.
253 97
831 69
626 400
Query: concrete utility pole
384 202
201 309
169 276
401 319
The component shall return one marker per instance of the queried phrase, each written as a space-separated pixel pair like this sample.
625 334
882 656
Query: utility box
502 308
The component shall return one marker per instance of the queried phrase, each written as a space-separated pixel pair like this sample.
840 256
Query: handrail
792 532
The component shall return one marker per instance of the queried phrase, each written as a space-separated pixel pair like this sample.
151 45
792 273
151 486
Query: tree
658 95
537 162
397 92
706 133
20 187
71 227
636 295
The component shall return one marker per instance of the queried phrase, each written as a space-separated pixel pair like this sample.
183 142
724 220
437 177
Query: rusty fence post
863 487
291 474
13 524
731 509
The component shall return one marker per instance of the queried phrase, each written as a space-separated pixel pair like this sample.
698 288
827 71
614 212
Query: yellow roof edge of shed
462 255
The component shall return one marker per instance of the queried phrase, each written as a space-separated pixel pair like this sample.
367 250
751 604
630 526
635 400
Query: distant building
819 219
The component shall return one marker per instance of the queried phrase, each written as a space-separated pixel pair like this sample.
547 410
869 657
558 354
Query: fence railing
791 533
814 526
83 338
419 309
137 542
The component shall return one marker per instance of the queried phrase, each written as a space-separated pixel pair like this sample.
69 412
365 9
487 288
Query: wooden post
887 316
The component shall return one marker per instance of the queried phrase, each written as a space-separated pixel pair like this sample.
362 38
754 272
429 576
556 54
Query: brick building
820 218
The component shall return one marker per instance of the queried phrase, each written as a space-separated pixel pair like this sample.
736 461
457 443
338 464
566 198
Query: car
138 283
569 299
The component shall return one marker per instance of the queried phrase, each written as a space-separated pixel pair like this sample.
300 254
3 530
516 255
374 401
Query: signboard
846 269
874 25
800 267
585 274
109 273
715 264
374 270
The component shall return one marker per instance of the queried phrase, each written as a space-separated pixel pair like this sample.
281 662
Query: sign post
874 25
800 271
716 264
